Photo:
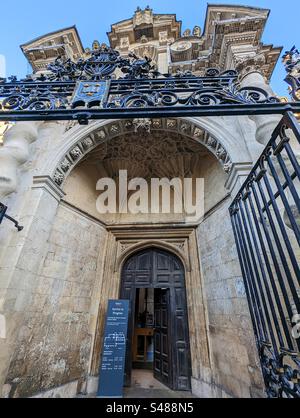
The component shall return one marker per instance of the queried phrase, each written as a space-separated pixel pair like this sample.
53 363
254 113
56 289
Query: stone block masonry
54 341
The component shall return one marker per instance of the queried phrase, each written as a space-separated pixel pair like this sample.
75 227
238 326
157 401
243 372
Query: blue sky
23 21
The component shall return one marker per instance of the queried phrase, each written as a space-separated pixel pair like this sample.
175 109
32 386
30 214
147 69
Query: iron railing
3 215
265 217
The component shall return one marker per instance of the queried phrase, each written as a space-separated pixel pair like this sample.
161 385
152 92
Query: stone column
15 152
251 75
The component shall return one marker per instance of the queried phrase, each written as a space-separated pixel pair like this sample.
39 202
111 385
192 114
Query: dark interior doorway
158 337
143 339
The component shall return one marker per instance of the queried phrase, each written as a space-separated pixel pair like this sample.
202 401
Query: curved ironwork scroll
281 373
205 96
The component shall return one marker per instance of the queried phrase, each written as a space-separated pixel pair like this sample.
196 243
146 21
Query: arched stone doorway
161 272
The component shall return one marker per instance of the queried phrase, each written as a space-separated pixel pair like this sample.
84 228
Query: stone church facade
58 273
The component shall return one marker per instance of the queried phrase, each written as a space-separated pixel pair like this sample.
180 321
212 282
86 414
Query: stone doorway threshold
144 385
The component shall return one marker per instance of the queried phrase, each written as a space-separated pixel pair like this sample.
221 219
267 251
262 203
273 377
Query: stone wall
54 342
234 363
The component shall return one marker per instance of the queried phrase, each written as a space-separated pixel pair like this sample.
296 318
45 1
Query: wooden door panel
164 319
177 278
165 345
157 365
162 279
129 278
142 278
162 262
165 369
144 262
131 265
180 330
161 348
176 265
181 339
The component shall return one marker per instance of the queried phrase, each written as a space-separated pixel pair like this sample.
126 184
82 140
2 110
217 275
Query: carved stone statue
197 31
144 39
291 60
96 45
125 42
187 32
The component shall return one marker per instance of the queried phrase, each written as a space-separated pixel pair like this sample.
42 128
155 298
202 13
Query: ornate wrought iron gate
266 222
88 90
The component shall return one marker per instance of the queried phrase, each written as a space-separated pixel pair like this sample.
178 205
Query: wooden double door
163 271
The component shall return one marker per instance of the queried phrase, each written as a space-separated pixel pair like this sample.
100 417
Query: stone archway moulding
177 247
78 143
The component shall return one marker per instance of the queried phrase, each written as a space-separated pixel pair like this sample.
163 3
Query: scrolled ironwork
68 89
62 70
281 373
229 73
246 94
199 97
34 101
139 68
212 72
203 98
14 102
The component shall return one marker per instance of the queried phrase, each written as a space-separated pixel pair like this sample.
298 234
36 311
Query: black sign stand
111 380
